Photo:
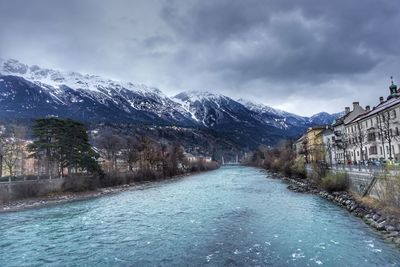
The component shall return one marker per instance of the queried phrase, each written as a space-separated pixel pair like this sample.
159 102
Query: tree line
63 147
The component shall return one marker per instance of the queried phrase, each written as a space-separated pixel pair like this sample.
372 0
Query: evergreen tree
63 144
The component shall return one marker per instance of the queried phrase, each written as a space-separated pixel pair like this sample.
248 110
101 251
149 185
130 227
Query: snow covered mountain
228 117
212 110
245 118
28 92
286 120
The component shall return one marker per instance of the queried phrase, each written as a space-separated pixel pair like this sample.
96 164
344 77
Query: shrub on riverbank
80 183
335 181
318 171
202 165
299 167
147 174
281 159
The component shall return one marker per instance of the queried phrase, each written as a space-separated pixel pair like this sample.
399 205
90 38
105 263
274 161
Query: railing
359 168
370 168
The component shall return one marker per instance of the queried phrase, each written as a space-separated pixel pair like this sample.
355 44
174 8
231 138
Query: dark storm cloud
295 47
279 39
286 53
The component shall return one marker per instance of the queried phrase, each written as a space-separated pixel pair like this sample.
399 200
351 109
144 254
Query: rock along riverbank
387 225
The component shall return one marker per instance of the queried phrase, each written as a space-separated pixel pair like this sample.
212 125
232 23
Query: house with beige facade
375 135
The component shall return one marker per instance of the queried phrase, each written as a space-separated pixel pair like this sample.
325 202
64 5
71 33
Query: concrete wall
386 188
358 181
26 189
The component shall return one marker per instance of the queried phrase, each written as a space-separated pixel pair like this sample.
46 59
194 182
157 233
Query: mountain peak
262 108
196 95
74 80
33 91
12 66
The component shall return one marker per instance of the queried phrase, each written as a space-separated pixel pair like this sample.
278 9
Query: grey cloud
308 40
283 53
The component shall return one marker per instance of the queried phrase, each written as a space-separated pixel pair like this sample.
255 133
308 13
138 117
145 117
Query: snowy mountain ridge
57 78
126 96
28 92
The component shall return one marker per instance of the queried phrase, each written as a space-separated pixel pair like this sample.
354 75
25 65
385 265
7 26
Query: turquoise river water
234 216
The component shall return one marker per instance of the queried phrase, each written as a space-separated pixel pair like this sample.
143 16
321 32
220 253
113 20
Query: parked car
376 163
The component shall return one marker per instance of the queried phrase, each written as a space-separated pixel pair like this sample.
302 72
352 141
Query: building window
371 137
381 150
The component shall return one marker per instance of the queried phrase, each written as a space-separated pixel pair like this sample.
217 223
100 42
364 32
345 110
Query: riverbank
65 197
386 222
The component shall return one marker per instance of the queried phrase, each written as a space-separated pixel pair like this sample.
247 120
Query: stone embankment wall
388 225
385 187
359 180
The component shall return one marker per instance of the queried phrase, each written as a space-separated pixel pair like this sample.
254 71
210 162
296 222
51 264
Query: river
234 216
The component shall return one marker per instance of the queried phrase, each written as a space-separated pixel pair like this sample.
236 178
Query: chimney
367 108
347 110
355 105
381 99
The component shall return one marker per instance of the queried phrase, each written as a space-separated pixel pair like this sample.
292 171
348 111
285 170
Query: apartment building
375 135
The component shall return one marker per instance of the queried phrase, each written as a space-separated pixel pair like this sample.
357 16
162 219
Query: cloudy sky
302 56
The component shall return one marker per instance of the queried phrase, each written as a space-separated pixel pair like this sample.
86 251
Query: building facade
375 135
367 135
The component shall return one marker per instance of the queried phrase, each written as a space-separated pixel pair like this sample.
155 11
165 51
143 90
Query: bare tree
13 149
386 125
131 154
304 149
359 138
12 156
175 158
2 151
110 145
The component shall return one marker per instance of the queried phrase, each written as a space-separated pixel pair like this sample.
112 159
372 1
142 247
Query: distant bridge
230 162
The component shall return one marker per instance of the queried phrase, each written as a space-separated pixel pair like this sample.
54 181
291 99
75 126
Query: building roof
318 127
301 139
381 107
